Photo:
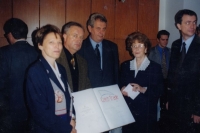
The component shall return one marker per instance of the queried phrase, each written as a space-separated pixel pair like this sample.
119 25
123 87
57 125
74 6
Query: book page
113 106
89 117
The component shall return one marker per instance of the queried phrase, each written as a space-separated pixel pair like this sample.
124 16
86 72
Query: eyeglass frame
139 45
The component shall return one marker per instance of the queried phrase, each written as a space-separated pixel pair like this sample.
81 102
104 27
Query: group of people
36 85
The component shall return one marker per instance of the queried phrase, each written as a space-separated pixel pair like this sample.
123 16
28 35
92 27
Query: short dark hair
140 37
44 31
162 32
17 27
33 36
96 16
179 15
66 26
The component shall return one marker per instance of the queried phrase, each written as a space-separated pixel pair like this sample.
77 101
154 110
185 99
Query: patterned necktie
97 52
164 64
73 62
183 52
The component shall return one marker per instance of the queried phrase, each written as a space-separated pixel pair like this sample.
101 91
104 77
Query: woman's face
138 49
51 46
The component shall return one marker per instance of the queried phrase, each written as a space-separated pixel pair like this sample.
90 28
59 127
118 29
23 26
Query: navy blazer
144 106
14 60
110 59
184 80
41 99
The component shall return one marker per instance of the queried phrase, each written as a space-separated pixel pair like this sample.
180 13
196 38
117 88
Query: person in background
146 77
198 30
47 91
75 65
101 55
183 76
14 60
33 39
161 55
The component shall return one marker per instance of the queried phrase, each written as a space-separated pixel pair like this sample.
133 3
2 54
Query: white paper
132 94
88 113
101 109
113 106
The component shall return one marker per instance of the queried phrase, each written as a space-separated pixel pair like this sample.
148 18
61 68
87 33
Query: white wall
168 8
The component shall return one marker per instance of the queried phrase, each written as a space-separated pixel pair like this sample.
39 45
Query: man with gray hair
101 55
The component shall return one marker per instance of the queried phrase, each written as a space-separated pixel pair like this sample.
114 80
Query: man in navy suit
184 76
101 54
14 60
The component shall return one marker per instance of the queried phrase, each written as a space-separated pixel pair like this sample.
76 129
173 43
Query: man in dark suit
14 60
156 53
184 75
161 55
75 65
101 54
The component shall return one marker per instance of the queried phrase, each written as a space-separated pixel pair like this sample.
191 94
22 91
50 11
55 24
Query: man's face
73 39
97 32
163 41
187 26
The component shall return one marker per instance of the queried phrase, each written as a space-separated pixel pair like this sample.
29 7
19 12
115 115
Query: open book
100 109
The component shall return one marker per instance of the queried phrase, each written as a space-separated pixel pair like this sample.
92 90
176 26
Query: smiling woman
48 95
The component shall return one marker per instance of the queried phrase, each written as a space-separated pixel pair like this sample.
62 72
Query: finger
134 89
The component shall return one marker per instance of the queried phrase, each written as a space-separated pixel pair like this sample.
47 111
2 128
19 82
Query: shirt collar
94 43
188 42
68 54
144 65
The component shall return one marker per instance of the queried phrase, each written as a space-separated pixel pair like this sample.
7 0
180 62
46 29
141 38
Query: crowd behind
36 82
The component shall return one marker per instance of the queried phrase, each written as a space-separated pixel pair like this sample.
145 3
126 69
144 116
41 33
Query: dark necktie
164 64
73 62
183 52
97 52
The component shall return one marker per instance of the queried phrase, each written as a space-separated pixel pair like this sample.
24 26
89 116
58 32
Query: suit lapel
105 60
63 60
50 73
157 55
190 52
91 51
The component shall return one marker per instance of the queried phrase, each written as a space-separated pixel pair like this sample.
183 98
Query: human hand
137 87
124 92
73 124
166 105
196 118
73 130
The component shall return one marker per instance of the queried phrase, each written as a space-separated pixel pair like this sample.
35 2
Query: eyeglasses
140 45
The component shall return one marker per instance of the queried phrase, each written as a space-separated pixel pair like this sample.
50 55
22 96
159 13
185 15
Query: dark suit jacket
144 106
41 99
110 60
14 60
155 55
184 81
84 82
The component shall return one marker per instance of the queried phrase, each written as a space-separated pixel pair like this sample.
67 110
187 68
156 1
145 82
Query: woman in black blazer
146 77
48 94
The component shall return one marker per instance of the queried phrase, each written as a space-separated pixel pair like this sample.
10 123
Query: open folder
100 109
